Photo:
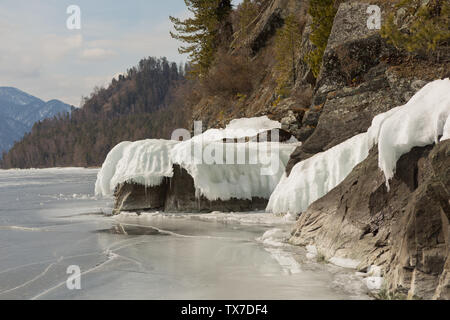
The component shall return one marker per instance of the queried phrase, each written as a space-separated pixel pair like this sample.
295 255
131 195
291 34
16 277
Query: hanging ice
420 122
241 169
144 162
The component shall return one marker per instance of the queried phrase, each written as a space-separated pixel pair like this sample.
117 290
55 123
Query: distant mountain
19 111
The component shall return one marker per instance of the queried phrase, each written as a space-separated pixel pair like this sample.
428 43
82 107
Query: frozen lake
50 220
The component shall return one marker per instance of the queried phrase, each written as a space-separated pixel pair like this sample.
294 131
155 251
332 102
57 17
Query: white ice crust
420 122
144 162
242 170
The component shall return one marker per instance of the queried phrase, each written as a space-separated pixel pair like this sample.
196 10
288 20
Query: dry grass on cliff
411 68
230 76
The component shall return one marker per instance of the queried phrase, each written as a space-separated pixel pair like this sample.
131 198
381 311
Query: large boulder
177 194
181 197
136 197
404 230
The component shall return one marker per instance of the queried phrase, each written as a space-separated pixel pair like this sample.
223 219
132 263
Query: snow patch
258 123
446 134
274 237
375 271
239 129
344 262
311 252
313 178
373 283
373 278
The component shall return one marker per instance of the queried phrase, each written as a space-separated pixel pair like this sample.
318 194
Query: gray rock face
290 123
271 19
181 197
311 117
275 135
177 194
354 86
136 197
405 230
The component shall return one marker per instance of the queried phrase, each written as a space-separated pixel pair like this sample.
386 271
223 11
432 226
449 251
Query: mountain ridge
19 111
145 102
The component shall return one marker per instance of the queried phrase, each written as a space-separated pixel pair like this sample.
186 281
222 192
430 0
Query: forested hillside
241 64
261 57
146 102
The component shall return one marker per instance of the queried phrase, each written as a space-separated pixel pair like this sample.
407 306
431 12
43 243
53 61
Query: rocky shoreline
405 230
400 235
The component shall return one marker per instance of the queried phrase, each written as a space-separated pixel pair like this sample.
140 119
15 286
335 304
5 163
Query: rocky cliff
404 230
361 76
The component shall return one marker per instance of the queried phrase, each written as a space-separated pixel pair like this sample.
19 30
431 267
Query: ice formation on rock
144 162
241 170
418 123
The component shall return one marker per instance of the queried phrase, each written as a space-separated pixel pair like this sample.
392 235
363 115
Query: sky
41 56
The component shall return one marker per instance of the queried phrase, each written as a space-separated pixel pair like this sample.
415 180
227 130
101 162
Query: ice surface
220 170
229 218
286 260
420 122
275 237
186 258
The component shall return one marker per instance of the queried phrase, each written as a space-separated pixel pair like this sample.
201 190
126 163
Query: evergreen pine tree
322 13
427 30
200 32
287 44
247 12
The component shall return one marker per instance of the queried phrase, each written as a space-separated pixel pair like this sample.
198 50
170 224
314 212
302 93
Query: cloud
101 81
28 57
96 54
40 56
56 47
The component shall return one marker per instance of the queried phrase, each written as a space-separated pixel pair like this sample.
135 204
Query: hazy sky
40 55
